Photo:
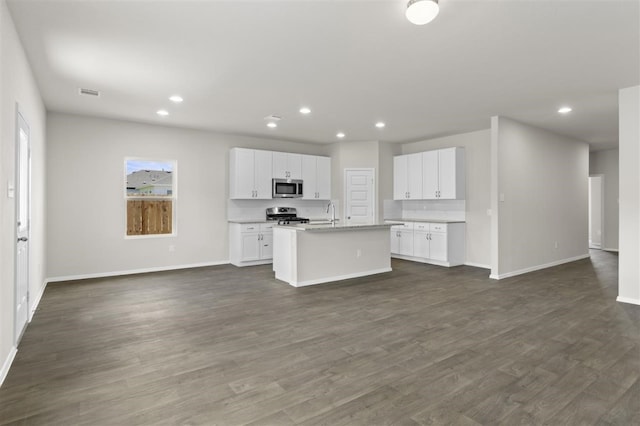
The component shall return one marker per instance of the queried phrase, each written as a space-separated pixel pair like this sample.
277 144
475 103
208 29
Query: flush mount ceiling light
420 12
272 121
162 112
305 110
565 110
380 125
272 125
340 135
176 98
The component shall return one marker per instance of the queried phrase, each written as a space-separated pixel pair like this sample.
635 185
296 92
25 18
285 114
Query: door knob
23 239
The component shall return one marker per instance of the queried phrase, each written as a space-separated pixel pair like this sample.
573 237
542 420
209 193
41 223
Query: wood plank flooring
421 345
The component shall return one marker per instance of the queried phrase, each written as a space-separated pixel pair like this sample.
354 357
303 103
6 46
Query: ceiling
353 62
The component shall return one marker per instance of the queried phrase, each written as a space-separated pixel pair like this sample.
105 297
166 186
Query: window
150 195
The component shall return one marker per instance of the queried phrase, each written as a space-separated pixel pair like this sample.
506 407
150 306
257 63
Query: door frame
373 195
17 196
602 203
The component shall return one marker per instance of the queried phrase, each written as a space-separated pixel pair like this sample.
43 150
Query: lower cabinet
250 243
438 243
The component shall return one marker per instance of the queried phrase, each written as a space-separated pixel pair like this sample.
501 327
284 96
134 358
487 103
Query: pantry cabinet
250 174
316 177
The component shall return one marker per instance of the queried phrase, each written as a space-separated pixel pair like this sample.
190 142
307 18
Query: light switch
11 190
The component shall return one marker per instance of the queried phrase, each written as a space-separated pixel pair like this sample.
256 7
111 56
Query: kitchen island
308 254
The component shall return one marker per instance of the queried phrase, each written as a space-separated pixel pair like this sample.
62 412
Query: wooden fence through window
149 217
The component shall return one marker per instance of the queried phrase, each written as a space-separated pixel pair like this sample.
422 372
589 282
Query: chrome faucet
333 211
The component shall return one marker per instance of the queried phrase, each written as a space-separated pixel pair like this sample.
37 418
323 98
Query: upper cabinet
430 175
250 173
316 177
407 177
287 165
443 175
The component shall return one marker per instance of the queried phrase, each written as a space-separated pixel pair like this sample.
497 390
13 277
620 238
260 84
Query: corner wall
629 267
18 88
607 163
539 198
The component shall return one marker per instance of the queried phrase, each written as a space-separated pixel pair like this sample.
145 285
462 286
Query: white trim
610 249
628 300
477 265
339 277
134 271
538 267
7 364
36 301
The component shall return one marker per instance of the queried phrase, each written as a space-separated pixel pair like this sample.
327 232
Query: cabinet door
250 247
266 246
279 165
262 174
323 178
309 177
430 175
287 166
447 173
294 165
400 186
414 176
438 246
421 244
395 241
406 243
242 176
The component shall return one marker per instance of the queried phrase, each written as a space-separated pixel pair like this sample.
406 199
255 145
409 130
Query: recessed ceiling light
272 125
162 112
175 98
380 124
340 135
564 110
305 110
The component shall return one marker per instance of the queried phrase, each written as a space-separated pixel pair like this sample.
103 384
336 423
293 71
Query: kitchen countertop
272 221
333 227
425 220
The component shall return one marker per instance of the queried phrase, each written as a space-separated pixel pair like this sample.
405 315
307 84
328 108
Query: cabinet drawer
421 226
438 227
250 227
405 225
266 227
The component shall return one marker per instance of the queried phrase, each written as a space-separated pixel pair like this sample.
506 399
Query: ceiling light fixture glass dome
420 12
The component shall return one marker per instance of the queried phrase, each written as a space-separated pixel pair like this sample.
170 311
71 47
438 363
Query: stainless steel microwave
286 188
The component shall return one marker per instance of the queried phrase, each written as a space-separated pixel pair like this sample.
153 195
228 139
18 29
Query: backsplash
255 209
425 209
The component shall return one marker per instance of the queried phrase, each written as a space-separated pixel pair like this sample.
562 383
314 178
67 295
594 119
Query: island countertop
424 220
335 227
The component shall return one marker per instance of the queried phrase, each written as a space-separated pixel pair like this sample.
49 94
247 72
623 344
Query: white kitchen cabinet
407 177
436 243
316 177
443 174
287 165
250 174
250 243
402 239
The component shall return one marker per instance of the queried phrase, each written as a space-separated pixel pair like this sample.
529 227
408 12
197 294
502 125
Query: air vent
89 92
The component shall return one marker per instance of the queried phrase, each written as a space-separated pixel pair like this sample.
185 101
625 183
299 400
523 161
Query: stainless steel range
285 215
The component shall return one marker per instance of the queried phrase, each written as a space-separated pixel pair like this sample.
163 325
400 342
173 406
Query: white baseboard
628 300
538 267
7 364
33 304
615 250
339 277
134 271
477 265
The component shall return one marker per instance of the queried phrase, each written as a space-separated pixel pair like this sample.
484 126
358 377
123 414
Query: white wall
606 163
543 178
477 146
18 88
629 266
86 210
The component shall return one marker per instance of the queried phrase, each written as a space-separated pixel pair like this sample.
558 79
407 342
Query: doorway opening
596 212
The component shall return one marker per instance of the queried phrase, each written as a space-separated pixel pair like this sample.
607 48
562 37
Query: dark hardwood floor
419 345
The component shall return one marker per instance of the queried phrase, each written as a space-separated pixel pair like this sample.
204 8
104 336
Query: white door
359 195
23 195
